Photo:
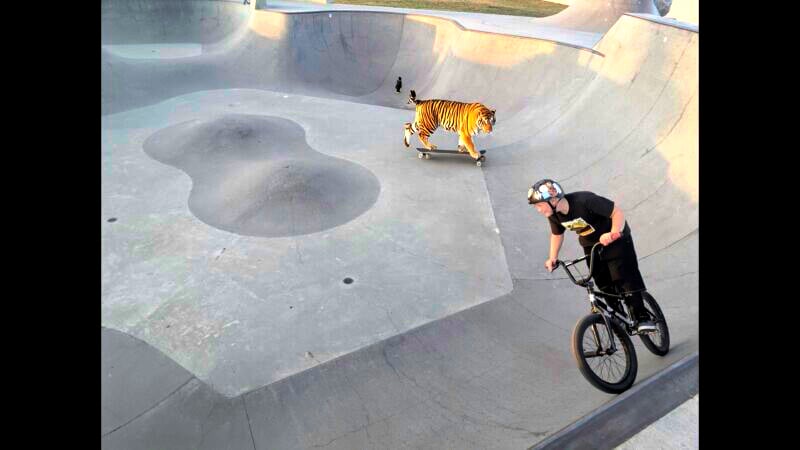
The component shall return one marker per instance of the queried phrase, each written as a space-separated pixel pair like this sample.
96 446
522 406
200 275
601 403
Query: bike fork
610 333
613 348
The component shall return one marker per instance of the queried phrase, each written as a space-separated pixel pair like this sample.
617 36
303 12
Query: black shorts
617 266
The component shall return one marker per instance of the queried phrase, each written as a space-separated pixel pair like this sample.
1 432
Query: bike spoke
602 368
592 341
619 363
597 338
610 368
611 372
616 361
657 337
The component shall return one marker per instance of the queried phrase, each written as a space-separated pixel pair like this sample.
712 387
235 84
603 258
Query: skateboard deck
426 154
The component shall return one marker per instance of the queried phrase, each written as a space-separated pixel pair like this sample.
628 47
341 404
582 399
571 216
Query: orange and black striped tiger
465 119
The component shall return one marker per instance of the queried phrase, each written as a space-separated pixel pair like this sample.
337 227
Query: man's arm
617 225
555 245
617 222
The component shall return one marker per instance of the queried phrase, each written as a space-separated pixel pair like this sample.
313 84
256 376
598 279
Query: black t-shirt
589 215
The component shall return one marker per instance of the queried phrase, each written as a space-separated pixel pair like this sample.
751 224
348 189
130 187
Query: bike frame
596 298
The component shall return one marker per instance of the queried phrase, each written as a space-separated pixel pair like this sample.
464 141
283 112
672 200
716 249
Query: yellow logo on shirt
579 226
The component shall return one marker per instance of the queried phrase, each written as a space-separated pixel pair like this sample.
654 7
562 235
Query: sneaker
646 326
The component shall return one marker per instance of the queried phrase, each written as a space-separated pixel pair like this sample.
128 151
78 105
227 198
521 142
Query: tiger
465 119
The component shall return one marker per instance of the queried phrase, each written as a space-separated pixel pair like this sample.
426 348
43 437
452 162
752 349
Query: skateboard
424 153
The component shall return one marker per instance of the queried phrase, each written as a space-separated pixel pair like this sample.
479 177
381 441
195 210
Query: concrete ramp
597 15
286 274
169 21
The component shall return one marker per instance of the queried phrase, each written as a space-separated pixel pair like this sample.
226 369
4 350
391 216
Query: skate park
280 271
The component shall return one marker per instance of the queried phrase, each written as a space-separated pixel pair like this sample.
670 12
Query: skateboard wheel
427 156
420 155
478 163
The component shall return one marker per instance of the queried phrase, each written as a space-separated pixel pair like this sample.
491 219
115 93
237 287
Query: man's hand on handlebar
550 265
607 238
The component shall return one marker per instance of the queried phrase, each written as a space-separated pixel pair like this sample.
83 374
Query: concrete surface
255 175
228 283
632 411
677 430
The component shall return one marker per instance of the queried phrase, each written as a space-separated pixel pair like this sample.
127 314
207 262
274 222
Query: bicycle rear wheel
657 341
612 373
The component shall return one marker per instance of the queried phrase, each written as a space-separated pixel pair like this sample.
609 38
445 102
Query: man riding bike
594 219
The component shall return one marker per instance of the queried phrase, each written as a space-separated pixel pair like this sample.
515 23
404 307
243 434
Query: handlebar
582 282
566 264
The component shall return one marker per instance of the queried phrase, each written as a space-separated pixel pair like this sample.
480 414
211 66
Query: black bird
399 84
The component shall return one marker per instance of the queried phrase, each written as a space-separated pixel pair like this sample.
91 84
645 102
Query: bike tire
660 346
590 365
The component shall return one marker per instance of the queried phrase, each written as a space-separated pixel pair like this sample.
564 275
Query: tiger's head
485 120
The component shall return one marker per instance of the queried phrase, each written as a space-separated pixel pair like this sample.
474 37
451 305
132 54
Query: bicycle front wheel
657 341
612 372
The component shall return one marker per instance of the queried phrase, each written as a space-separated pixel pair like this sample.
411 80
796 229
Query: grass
530 8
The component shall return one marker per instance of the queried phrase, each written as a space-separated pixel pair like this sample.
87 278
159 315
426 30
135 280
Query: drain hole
348 280
112 220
